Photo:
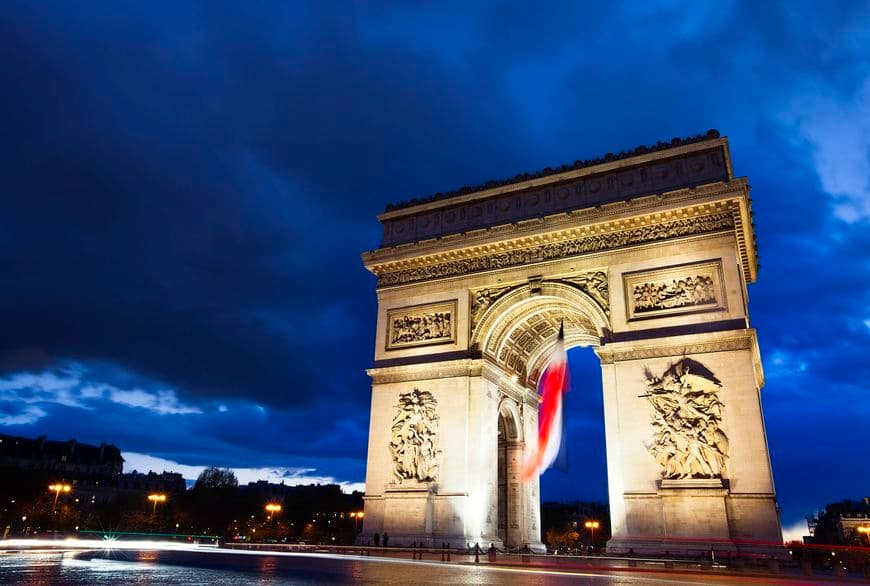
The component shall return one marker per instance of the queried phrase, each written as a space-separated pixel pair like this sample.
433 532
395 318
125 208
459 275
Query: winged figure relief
688 441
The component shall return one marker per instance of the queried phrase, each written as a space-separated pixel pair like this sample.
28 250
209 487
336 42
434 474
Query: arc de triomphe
645 256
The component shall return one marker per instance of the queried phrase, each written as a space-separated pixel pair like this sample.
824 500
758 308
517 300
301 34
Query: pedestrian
386 539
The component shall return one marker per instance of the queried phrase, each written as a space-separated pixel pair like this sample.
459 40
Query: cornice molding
686 345
429 370
701 219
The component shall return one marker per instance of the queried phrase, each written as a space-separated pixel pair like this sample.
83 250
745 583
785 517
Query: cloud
162 401
289 476
68 386
838 130
795 531
26 415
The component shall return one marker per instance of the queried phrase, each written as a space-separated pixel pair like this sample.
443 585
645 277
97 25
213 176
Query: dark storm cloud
187 189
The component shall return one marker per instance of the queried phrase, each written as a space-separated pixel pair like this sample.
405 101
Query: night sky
187 189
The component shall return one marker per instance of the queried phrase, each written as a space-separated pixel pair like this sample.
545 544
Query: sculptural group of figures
428 326
697 290
414 437
687 439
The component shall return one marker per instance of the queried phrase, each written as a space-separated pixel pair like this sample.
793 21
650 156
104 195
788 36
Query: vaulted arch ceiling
518 330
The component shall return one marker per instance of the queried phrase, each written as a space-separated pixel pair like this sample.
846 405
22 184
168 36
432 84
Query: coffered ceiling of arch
513 346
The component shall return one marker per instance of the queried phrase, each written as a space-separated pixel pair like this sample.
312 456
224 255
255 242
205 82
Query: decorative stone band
455 368
642 234
686 345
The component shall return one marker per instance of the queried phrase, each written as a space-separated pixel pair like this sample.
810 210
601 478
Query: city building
62 457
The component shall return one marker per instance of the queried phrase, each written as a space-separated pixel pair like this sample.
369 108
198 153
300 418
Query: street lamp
57 489
156 498
592 525
357 518
273 509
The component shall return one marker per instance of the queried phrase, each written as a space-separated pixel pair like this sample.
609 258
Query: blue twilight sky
188 186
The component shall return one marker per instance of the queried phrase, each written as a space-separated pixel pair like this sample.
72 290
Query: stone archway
645 257
516 327
508 498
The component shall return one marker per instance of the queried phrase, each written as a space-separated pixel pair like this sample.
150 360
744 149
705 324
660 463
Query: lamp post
358 516
57 489
272 509
156 498
592 526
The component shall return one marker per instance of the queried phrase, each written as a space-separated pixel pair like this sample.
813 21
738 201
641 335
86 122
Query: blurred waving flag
552 387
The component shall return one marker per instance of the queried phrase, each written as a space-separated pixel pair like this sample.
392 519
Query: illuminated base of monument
693 516
414 513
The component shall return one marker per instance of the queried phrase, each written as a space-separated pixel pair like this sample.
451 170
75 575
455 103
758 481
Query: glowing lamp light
273 508
592 525
57 489
156 498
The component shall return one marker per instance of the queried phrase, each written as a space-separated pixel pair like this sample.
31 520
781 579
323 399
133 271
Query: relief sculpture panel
482 299
594 284
675 290
688 441
421 325
414 443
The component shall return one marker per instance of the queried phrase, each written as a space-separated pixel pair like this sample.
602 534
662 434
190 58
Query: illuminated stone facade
646 258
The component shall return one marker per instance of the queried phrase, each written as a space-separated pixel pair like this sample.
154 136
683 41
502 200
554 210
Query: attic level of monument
608 158
688 165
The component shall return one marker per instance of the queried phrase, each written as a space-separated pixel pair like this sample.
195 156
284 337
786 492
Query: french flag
552 387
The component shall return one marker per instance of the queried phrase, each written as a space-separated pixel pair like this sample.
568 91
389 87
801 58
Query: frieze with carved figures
675 290
421 325
588 244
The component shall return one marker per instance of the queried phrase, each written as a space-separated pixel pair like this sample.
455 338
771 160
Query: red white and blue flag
552 387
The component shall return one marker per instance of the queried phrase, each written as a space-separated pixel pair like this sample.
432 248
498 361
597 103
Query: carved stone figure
595 285
422 327
687 413
482 299
687 292
415 437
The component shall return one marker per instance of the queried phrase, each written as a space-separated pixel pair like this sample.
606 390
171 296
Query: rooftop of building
41 448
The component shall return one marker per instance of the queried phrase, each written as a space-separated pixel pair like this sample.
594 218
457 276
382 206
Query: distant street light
357 518
592 525
273 509
57 489
156 498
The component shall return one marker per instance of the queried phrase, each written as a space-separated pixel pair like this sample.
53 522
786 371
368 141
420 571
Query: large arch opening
508 497
517 333
577 490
